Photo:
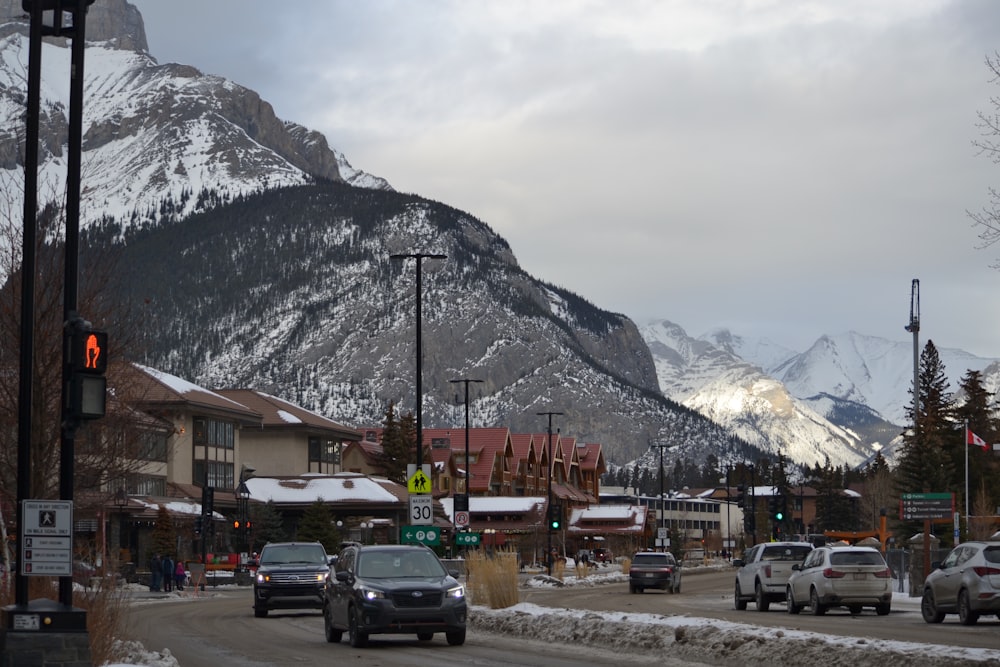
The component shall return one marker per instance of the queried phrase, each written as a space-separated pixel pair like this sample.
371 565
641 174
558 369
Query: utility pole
660 525
465 500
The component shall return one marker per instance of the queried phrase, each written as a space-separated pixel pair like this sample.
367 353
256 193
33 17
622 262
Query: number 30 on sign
421 510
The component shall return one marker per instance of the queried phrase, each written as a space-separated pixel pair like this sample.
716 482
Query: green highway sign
421 535
467 539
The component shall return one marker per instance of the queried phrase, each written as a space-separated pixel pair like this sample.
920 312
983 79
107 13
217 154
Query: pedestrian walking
156 573
168 573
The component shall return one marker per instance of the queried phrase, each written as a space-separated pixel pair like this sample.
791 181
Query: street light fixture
548 507
419 256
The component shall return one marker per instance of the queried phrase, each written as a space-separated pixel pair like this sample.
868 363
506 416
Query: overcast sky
782 168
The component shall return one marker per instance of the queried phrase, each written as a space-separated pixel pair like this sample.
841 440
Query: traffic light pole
548 507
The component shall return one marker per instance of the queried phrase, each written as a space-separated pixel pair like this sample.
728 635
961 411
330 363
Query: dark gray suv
397 589
290 575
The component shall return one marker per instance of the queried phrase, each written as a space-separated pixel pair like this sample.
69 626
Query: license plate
859 576
650 574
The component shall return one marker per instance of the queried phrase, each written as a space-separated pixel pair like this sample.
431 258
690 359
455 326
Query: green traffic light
779 516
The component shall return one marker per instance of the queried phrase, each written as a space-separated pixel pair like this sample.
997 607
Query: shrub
492 580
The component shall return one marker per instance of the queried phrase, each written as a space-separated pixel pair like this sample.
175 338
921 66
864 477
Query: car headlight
456 592
263 577
372 594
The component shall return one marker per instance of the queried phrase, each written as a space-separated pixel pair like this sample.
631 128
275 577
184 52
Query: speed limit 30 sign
421 510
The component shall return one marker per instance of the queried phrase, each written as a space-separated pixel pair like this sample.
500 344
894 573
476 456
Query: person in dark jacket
156 570
168 573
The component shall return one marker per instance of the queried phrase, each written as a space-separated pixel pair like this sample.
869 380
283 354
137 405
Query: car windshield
856 558
305 554
387 564
793 553
652 559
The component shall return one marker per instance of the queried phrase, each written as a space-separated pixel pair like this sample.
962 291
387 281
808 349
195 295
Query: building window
147 485
152 446
220 474
214 433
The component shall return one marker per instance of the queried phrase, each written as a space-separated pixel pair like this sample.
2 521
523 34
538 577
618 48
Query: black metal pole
548 507
419 256
663 511
466 381
72 259
29 235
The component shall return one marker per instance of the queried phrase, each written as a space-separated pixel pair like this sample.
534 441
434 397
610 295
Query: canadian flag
973 439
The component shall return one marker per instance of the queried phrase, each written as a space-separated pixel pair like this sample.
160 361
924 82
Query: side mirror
936 565
344 576
797 567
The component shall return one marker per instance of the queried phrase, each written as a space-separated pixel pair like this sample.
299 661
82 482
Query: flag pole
967 526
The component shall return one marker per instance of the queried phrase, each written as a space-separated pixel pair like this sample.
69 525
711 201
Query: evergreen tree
317 526
395 448
164 537
268 526
926 462
978 412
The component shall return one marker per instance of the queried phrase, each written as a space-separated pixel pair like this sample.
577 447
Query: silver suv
290 575
966 583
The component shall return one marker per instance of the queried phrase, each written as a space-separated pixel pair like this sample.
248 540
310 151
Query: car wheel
425 636
817 608
358 639
792 607
928 608
260 612
965 613
855 609
883 608
332 634
738 600
762 602
631 588
455 637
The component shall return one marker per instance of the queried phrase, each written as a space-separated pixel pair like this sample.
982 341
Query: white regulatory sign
461 519
47 549
421 510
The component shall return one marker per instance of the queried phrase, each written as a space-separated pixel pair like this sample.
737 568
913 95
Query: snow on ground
688 638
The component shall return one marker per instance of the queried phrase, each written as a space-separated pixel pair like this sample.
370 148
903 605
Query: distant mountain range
257 256
845 397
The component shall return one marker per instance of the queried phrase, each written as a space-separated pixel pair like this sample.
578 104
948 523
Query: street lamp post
121 501
419 256
662 508
466 381
548 548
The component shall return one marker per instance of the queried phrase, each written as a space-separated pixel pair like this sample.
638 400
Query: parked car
602 555
966 583
290 575
762 574
852 577
654 569
397 589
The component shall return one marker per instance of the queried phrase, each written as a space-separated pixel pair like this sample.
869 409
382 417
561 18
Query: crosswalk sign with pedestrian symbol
418 483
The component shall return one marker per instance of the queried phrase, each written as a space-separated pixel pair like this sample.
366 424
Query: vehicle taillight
830 573
983 571
767 571
883 574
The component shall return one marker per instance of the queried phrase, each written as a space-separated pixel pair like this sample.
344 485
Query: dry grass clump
492 580
582 570
626 565
559 568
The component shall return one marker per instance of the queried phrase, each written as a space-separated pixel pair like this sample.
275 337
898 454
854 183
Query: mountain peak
115 22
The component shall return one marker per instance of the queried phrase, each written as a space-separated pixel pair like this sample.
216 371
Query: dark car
393 589
654 569
290 575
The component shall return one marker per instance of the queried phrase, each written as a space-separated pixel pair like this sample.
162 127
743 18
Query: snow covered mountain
156 138
845 397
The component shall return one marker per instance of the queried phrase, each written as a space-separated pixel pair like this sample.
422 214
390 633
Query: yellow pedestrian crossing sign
418 483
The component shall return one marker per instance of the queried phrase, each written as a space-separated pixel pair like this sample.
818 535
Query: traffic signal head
88 360
248 524
198 525
236 524
741 498
555 517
